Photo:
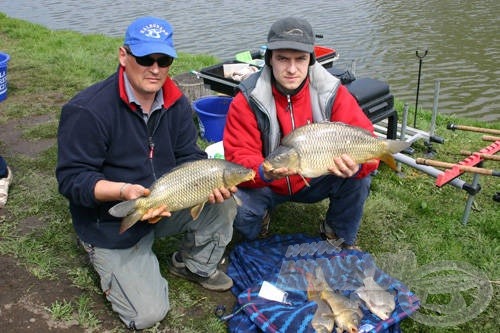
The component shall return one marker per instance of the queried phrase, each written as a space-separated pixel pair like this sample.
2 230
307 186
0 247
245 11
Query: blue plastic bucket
212 111
4 59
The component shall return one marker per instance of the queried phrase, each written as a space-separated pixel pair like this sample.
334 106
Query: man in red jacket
290 91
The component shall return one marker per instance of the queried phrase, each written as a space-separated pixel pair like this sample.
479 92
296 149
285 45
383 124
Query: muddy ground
24 298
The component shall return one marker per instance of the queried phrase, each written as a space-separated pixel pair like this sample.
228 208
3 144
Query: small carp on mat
376 298
345 312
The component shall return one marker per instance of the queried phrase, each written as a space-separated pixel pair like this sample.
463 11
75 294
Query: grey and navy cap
291 33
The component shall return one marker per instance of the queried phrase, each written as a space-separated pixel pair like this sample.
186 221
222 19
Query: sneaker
4 188
217 281
327 234
264 229
176 260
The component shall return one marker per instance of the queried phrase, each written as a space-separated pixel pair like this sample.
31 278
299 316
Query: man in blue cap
115 139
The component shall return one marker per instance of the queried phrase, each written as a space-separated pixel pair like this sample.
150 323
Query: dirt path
25 299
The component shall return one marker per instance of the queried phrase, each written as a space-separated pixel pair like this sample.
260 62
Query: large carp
185 186
310 149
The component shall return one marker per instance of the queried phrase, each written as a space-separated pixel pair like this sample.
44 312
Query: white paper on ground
272 293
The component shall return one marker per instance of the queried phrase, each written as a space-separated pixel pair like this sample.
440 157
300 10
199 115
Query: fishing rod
453 127
483 156
465 168
490 138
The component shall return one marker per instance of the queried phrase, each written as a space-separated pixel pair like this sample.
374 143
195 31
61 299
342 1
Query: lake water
382 37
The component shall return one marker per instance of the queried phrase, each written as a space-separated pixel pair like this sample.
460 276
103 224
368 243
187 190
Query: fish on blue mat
377 299
346 312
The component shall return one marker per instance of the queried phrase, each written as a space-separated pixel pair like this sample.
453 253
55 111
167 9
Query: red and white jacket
260 116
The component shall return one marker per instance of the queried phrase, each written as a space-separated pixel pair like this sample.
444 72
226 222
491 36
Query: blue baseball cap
148 35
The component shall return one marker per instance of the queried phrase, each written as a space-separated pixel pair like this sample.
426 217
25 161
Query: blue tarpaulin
283 260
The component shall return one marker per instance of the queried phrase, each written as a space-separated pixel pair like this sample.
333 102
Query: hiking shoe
217 281
327 234
176 260
264 228
4 188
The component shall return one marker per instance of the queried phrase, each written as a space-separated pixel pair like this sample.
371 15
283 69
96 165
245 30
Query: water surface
382 37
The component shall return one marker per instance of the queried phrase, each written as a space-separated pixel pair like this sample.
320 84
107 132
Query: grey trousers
131 278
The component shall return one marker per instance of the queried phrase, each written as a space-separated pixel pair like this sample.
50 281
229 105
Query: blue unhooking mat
282 260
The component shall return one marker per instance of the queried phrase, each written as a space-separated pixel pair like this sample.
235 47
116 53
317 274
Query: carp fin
196 210
129 221
388 159
237 199
305 180
122 209
395 146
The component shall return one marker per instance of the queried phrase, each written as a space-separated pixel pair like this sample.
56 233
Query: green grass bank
406 215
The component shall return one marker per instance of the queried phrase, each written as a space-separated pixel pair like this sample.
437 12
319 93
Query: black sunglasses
147 61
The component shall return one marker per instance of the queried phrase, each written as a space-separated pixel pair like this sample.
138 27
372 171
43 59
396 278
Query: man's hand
344 166
153 215
220 194
279 173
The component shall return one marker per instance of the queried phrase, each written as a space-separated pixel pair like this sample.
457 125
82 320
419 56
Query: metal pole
353 67
470 200
431 171
420 59
434 108
404 121
430 151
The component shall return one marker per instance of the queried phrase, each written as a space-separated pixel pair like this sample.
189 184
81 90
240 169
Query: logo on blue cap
149 35
154 31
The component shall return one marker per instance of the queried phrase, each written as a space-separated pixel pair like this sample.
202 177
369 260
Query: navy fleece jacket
102 136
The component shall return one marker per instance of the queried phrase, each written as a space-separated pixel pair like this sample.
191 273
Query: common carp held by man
310 149
185 186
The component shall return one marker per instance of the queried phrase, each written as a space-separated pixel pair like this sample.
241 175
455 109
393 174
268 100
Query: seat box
344 75
373 96
213 77
376 101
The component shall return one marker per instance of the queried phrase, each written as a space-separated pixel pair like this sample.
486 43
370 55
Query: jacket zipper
151 154
290 109
151 130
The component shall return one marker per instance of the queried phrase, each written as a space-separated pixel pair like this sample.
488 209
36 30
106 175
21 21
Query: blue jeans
347 199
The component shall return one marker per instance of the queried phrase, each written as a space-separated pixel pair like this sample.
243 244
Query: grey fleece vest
257 90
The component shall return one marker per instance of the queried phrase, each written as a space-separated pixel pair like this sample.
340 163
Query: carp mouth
267 166
250 176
